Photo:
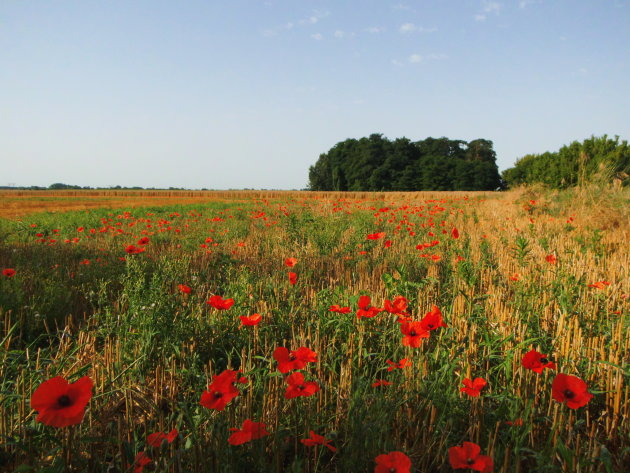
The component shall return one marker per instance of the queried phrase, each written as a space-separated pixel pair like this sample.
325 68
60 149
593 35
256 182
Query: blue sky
247 94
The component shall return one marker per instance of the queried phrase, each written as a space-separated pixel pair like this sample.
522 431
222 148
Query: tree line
58 186
601 159
377 164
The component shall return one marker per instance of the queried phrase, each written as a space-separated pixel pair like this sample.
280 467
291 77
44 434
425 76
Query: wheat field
99 291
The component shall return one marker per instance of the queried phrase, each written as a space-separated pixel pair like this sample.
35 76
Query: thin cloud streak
406 28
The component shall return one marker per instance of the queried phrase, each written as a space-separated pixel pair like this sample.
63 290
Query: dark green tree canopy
596 158
378 164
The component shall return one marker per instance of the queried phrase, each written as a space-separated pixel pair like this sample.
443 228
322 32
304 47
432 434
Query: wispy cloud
315 17
416 58
375 29
492 7
488 8
317 36
411 28
407 28
402 6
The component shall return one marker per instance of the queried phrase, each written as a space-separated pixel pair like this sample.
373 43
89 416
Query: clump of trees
378 164
61 186
601 159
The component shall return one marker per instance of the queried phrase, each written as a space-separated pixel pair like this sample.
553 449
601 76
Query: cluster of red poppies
61 404
564 388
134 250
155 440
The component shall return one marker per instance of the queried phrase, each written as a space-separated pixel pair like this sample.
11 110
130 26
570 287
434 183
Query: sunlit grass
85 307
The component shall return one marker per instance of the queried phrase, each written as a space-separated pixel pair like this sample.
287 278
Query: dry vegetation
151 350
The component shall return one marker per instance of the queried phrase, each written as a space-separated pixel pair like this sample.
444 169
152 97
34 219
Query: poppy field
318 332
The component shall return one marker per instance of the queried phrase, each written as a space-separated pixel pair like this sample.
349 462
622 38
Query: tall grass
77 308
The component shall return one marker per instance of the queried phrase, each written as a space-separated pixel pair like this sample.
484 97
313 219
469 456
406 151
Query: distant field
121 287
14 204
18 203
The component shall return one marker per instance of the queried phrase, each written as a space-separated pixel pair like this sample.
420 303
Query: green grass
152 351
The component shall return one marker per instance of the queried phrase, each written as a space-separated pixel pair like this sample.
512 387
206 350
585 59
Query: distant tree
600 158
481 150
320 175
60 186
375 163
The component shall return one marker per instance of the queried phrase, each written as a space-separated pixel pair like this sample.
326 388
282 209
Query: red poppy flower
570 389
221 390
381 382
393 462
515 423
468 456
455 233
290 262
400 365
433 319
133 250
536 362
60 403
292 278
398 306
156 439
250 320
294 360
219 303
551 259
413 333
298 387
141 460
364 308
143 241
184 289
473 388
514 277
248 432
315 439
388 243
376 236
599 284
339 309
8 272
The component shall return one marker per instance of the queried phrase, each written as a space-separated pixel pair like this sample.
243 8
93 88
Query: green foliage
596 159
378 164
521 250
154 349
